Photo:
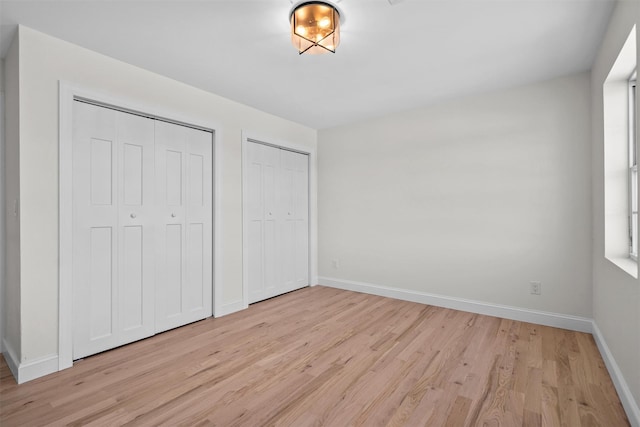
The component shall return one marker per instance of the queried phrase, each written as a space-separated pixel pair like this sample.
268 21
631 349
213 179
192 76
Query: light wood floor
321 356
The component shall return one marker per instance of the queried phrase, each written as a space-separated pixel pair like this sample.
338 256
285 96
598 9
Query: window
633 171
621 231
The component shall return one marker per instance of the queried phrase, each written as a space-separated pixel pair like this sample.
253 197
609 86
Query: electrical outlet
535 288
336 263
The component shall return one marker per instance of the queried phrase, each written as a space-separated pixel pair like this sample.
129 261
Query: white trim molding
31 370
3 203
624 393
37 368
231 308
68 92
557 320
217 221
65 224
11 358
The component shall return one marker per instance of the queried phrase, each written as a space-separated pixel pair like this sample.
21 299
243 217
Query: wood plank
321 356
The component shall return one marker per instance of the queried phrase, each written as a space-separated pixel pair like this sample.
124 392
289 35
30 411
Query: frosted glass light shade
315 27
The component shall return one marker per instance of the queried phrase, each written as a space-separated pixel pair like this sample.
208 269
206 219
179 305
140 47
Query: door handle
132 215
173 215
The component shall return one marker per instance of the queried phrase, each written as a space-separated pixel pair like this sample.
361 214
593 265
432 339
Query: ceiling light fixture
315 27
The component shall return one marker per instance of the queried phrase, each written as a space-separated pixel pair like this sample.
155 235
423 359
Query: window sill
626 264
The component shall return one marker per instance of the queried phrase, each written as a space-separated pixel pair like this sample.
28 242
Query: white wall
12 302
616 294
3 240
44 61
470 199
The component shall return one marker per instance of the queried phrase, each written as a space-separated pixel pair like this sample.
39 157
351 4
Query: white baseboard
230 308
11 358
626 398
31 370
557 320
37 368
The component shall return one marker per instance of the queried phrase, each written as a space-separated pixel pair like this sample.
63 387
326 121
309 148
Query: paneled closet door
136 219
276 215
295 227
184 240
263 215
113 202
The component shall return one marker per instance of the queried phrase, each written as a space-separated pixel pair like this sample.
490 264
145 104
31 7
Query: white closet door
276 218
295 233
136 219
112 228
184 241
263 216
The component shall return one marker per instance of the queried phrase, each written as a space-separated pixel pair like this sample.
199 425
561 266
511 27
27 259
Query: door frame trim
249 137
68 93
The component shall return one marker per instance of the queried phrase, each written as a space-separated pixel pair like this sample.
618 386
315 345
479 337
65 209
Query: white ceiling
391 58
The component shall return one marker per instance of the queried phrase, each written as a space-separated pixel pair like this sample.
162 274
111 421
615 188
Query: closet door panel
301 215
170 219
184 194
173 178
132 174
132 298
101 176
94 230
170 289
194 298
197 296
101 285
263 216
295 183
272 216
95 223
254 208
287 251
136 225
